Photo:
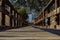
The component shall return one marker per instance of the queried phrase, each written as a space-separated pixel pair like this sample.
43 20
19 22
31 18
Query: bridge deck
27 33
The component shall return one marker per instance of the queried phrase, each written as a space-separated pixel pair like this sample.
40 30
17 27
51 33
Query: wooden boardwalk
49 16
11 19
27 33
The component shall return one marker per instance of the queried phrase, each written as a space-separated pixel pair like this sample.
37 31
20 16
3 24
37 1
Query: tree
23 15
38 5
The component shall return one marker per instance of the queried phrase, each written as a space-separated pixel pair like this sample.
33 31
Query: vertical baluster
10 17
17 19
3 12
14 19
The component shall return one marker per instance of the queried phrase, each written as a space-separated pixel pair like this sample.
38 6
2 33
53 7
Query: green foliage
23 14
33 4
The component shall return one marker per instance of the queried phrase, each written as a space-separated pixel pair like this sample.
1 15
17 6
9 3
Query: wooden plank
52 13
46 7
51 1
0 2
0 17
3 13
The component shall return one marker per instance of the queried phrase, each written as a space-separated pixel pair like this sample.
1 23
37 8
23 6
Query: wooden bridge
49 19
9 17
49 16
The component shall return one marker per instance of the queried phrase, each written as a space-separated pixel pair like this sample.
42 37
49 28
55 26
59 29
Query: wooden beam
3 13
14 19
49 4
17 20
11 17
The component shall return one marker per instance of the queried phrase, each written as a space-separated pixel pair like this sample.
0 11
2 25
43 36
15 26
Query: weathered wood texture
8 14
48 12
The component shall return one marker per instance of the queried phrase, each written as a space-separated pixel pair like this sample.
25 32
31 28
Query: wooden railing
9 15
48 13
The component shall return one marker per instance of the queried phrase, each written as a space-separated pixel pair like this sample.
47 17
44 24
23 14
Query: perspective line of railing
9 16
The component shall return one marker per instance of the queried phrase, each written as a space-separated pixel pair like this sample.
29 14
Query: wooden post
44 17
17 19
59 11
58 16
0 2
49 21
3 13
46 14
14 19
11 17
55 4
58 5
48 10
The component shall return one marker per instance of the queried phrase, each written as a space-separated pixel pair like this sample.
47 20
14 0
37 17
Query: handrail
39 18
9 4
12 14
46 7
50 14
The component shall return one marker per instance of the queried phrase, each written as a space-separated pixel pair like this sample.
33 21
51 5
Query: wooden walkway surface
27 33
